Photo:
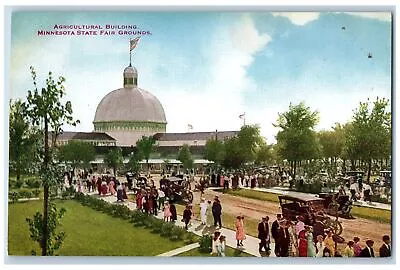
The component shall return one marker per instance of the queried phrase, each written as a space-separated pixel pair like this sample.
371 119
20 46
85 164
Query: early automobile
356 175
176 189
308 207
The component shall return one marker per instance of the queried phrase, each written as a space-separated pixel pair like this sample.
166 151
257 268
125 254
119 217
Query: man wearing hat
385 250
368 251
275 233
217 211
263 234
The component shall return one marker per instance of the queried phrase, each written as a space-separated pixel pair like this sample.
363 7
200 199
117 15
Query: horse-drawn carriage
176 189
309 207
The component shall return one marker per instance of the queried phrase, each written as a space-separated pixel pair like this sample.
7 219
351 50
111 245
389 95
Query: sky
207 68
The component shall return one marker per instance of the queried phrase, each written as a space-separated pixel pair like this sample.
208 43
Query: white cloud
298 18
382 16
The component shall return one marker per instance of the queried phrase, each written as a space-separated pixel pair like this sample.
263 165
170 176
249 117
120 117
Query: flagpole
130 53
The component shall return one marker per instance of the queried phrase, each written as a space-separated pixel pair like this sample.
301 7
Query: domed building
128 113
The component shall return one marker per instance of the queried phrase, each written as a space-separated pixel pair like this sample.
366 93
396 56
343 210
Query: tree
47 108
114 159
214 151
77 153
297 139
250 141
185 156
234 156
145 147
370 133
264 155
24 139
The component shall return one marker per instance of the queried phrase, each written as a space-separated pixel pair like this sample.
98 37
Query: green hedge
138 218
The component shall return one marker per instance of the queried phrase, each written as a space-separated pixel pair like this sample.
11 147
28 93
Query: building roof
194 136
91 136
130 105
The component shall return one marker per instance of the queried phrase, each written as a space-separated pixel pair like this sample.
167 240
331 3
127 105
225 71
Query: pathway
180 250
250 244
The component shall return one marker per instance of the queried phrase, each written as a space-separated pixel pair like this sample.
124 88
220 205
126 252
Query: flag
242 115
134 42
190 126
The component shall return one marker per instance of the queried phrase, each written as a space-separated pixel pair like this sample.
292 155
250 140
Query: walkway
180 250
250 244
285 191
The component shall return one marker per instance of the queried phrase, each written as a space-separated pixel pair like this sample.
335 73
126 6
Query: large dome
130 104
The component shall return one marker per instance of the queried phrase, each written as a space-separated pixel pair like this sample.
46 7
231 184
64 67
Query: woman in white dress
215 242
203 211
221 246
320 246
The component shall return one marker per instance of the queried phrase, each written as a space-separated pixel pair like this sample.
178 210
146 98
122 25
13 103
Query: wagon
308 207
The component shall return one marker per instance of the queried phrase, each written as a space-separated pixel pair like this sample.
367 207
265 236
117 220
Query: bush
205 243
157 225
166 229
36 193
137 216
19 183
25 194
177 233
33 183
14 196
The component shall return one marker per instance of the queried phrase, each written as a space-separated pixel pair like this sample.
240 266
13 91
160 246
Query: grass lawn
88 233
380 215
229 252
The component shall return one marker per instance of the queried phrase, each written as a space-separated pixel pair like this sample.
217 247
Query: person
320 246
385 249
356 247
275 233
310 242
139 200
154 199
94 184
283 239
99 182
329 243
368 251
120 193
161 198
367 192
327 252
187 215
104 188
209 214
124 194
172 208
203 211
263 234
167 212
240 234
217 211
226 182
300 225
318 227
111 187
342 191
354 189
303 245
221 246
89 185
293 245
215 241
348 250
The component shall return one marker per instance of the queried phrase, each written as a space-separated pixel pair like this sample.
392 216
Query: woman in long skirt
310 242
240 234
303 246
167 212
139 198
210 218
320 246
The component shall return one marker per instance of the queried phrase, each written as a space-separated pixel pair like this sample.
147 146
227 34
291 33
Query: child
215 241
167 212
356 247
221 247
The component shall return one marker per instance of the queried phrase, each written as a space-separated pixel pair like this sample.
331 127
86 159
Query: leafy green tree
145 147
297 139
133 164
77 153
234 156
46 109
114 159
185 156
264 155
214 151
24 141
250 141
54 239
370 133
